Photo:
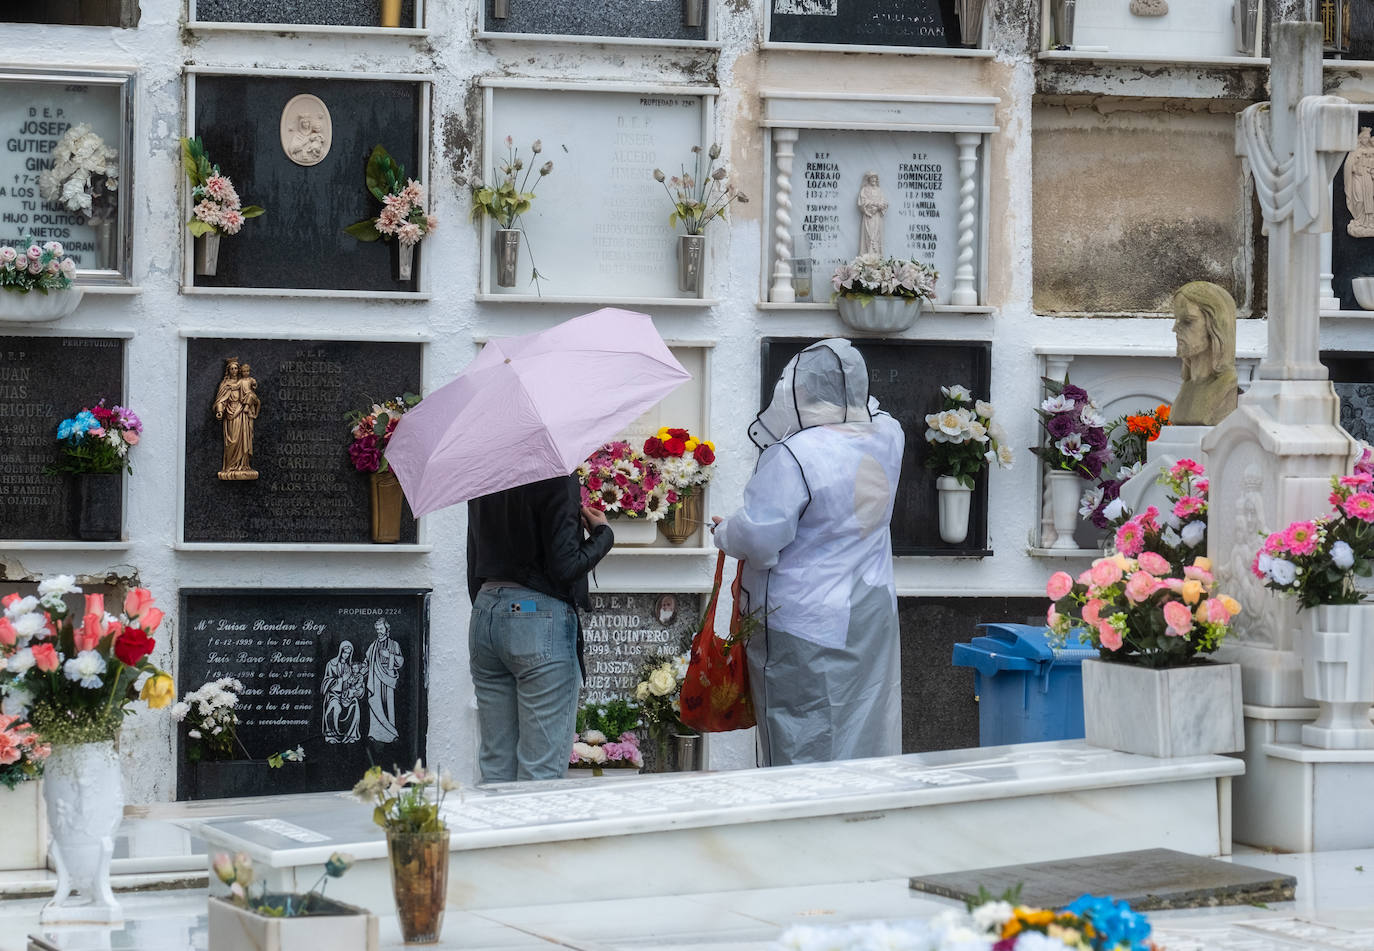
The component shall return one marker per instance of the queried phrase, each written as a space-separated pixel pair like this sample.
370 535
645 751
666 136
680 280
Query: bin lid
1008 646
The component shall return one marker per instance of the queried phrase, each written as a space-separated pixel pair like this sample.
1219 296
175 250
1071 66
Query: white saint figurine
872 204
1359 187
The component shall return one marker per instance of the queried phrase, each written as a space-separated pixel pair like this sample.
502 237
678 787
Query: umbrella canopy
531 407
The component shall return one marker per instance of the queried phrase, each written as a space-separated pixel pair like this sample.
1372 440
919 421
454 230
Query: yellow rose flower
1192 590
158 691
1231 604
1203 562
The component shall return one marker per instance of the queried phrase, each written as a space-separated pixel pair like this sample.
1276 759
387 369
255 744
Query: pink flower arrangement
403 215
36 267
371 431
1176 536
622 482
21 751
1141 610
215 204
591 750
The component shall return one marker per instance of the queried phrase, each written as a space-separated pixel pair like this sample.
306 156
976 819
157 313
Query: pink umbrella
531 407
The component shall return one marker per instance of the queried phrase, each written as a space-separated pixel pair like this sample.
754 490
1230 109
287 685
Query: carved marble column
965 293
1329 300
1056 368
781 292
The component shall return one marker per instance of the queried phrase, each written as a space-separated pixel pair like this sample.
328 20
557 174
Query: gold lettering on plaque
237 406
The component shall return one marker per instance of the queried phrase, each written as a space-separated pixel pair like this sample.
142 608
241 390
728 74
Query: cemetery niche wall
38 389
906 376
679 20
340 673
1352 374
300 243
338 13
1352 220
864 22
304 489
45 117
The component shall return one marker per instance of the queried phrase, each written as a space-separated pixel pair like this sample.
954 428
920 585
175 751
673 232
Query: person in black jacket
528 561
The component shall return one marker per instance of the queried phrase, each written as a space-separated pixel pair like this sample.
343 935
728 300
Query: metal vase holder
500 9
1061 20
1245 16
105 248
687 751
691 263
207 254
507 256
402 260
691 13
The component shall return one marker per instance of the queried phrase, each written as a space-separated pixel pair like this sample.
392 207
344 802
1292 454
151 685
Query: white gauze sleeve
767 522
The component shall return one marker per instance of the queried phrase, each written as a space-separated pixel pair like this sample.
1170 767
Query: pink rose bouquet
1142 610
624 483
35 267
215 204
372 429
1318 560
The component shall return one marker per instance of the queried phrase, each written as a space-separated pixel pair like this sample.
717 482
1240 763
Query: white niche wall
929 154
598 227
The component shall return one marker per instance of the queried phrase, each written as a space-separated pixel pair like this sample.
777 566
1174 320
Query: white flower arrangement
872 275
84 171
209 710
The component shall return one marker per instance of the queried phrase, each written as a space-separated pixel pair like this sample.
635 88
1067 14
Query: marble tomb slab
1150 879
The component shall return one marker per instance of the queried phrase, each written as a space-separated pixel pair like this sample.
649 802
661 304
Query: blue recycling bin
1027 690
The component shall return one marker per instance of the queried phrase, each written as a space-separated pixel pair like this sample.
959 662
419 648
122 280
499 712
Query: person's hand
591 518
715 523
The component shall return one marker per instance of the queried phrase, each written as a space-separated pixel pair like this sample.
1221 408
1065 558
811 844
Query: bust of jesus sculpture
1205 326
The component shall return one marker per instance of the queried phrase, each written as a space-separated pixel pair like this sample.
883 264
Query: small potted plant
963 440
685 465
251 918
36 282
84 179
504 202
659 695
371 431
403 220
699 197
1075 449
592 747
215 206
875 294
627 486
95 445
410 807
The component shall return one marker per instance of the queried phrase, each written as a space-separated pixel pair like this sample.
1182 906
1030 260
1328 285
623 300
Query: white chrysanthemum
594 737
16 702
179 710
59 585
21 607
29 626
20 662
1194 532
85 668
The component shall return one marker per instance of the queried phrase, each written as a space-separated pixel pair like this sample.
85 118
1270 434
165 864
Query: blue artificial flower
86 420
1116 925
66 429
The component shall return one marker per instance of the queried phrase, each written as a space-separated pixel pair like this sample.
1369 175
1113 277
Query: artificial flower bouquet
683 461
1129 434
97 440
22 751
236 871
659 694
700 196
1076 432
507 200
592 747
1317 561
403 215
372 429
1179 534
622 482
35 267
872 275
84 176
962 438
75 674
216 207
211 720
406 803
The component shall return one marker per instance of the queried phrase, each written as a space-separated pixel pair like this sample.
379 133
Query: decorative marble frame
490 87
120 280
188 280
971 120
422 542
710 10
417 29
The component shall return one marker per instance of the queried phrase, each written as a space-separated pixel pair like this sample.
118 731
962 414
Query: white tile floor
1334 909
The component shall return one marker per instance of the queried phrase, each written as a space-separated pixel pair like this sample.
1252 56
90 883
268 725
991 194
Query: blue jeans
526 677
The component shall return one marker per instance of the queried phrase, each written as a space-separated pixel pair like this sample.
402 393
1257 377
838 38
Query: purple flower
1075 393
365 453
1096 437
1060 425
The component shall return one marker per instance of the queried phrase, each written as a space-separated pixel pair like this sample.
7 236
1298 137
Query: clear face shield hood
825 383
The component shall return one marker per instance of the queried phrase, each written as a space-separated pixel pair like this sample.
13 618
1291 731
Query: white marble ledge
294 29
1064 552
1311 754
658 803
38 544
1252 711
701 302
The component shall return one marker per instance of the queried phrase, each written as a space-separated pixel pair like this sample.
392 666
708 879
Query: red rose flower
680 434
133 645
675 447
703 454
653 447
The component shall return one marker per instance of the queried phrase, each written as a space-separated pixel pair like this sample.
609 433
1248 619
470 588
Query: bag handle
708 616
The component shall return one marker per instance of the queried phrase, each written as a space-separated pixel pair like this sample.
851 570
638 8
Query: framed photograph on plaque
598 227
395 17
46 118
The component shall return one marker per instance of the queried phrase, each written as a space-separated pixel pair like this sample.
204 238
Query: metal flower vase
419 881
402 260
1066 491
687 751
691 263
691 13
955 499
1336 644
106 248
500 9
681 523
391 13
507 256
207 254
84 792
97 506
387 502
1061 21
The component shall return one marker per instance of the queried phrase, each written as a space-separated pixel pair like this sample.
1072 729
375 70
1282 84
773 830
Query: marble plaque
34 115
919 178
38 389
865 22
307 489
1351 256
323 12
604 147
341 673
622 631
906 376
656 19
300 242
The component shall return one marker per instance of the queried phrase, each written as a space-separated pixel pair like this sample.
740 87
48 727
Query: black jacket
532 536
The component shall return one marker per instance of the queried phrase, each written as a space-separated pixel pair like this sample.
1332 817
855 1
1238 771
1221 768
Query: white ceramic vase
1338 673
1066 491
954 509
85 796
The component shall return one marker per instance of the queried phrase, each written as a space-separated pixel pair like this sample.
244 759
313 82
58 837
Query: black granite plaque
44 380
939 710
307 489
865 22
1351 257
906 376
622 631
1352 374
341 673
656 19
321 12
300 241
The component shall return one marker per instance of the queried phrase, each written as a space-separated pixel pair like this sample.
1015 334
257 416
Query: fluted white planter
1066 491
955 500
879 315
1336 644
36 306
85 796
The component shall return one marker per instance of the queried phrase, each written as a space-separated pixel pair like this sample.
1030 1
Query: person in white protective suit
813 533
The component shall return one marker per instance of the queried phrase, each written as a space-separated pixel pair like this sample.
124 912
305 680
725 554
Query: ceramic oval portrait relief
306 130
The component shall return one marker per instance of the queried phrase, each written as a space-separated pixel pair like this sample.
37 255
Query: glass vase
419 880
